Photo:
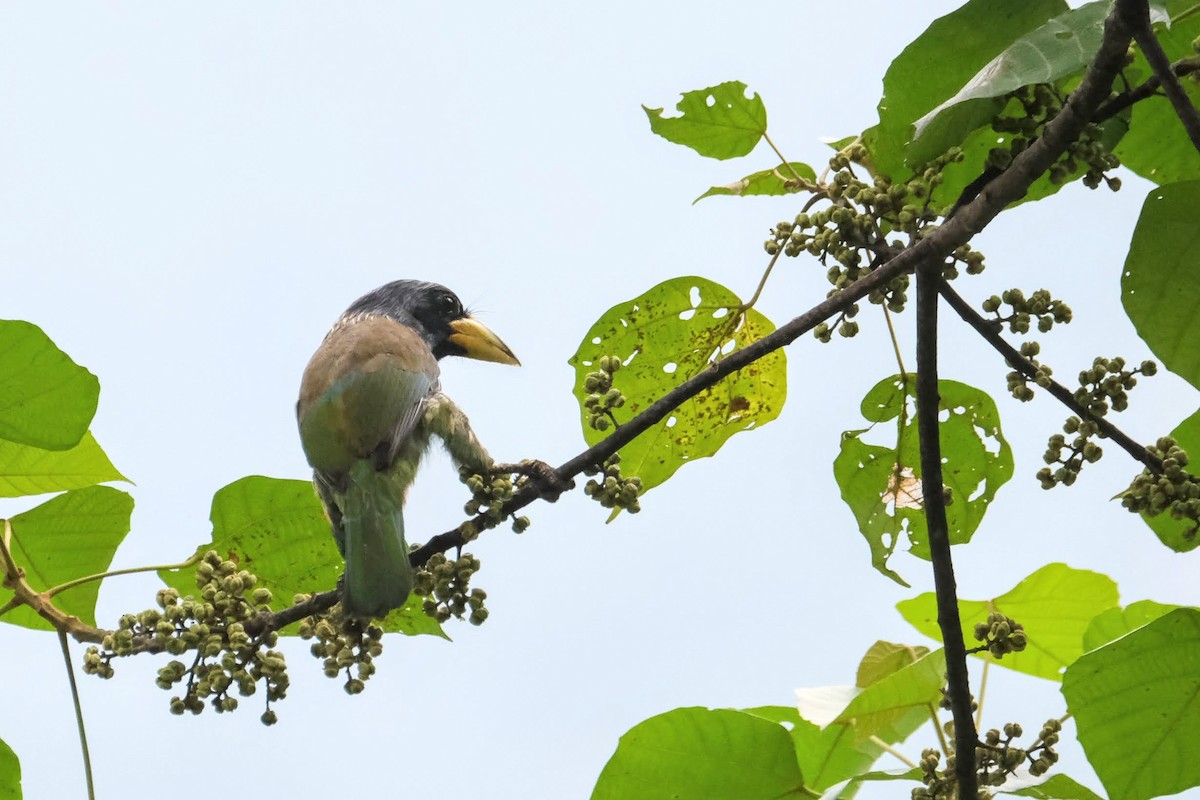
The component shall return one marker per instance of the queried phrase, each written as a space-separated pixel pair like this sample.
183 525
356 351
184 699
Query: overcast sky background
191 194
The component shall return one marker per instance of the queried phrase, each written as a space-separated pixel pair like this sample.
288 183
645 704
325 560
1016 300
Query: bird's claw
545 478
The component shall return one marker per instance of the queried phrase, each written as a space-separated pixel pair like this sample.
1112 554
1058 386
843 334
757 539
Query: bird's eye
449 305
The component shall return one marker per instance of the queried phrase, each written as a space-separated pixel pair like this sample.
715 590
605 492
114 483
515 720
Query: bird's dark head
438 315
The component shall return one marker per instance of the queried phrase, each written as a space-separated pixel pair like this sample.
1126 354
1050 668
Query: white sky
192 193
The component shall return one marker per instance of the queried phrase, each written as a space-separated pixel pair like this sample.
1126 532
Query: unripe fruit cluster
1173 490
445 585
213 624
610 489
345 646
1000 635
488 494
1039 305
602 397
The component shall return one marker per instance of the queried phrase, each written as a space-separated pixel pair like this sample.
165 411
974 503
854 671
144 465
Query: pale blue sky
192 193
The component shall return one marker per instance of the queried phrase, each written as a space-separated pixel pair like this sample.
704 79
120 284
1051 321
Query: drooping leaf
939 62
718 122
1157 146
1060 47
277 529
663 337
826 756
1055 604
884 659
1136 703
1158 286
1181 535
775 181
899 698
850 787
46 399
10 773
69 536
1112 624
26 470
882 484
717 754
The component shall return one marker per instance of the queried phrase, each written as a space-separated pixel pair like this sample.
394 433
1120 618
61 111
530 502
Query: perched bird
370 401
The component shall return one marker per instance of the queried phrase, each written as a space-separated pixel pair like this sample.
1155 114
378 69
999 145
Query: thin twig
1135 14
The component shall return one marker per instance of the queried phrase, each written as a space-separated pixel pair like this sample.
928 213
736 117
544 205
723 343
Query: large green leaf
670 333
46 399
939 62
1055 604
775 181
902 696
10 773
1157 147
1136 703
716 754
277 529
717 122
1179 534
1159 286
1110 625
1056 787
1060 47
882 484
67 537
26 470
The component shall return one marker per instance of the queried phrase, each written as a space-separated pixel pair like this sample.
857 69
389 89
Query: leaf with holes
718 122
663 337
771 182
1056 604
882 483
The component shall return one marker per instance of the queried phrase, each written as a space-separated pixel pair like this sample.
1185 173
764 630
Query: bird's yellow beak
480 343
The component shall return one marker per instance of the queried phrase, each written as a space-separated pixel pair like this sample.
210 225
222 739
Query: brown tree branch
1135 15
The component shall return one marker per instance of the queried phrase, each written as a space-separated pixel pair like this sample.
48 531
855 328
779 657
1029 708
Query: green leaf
1055 604
10 773
277 529
1112 624
776 181
938 63
907 692
826 756
1157 147
882 484
1061 47
1179 534
26 470
670 333
884 659
1056 787
1158 286
717 122
69 536
696 752
854 784
1136 703
46 399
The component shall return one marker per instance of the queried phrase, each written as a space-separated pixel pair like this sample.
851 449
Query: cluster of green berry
344 645
1018 383
445 585
1039 305
602 397
1107 383
849 236
997 757
488 494
1000 635
611 490
939 784
1081 449
213 624
1031 108
1173 490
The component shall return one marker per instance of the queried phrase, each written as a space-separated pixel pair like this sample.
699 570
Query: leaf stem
786 163
83 745
762 282
887 316
983 680
887 748
71 584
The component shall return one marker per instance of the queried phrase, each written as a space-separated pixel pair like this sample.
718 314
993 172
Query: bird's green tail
379 575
